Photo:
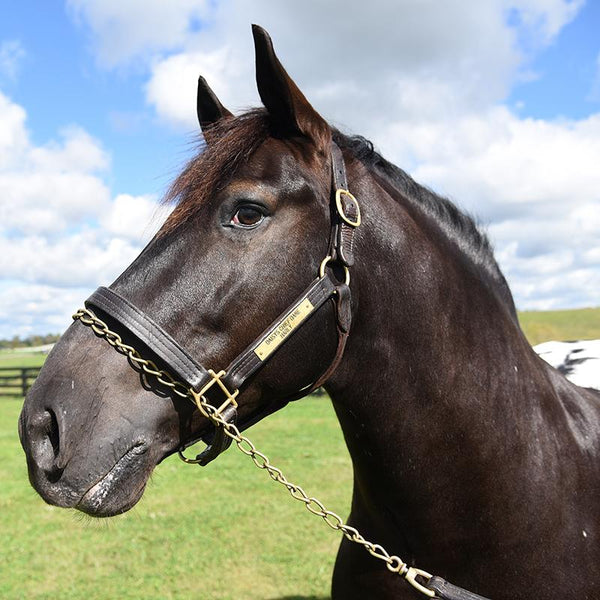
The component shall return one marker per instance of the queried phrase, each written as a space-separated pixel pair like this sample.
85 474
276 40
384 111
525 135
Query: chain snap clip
411 576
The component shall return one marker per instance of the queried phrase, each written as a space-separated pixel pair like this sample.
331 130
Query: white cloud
546 17
80 259
36 308
13 135
12 54
48 188
78 152
467 49
554 280
351 76
134 218
122 31
50 202
60 230
501 166
180 72
426 83
534 183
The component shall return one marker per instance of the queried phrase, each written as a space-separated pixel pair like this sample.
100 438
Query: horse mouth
120 488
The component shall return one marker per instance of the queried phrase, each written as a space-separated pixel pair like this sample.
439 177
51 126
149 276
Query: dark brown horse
472 457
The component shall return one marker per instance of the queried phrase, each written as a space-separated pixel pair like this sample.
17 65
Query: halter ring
324 264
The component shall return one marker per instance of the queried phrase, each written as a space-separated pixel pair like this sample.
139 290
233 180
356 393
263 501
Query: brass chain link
394 563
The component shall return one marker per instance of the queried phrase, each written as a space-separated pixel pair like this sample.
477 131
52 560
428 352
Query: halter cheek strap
346 215
227 383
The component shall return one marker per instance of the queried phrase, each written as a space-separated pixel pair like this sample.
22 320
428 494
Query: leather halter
345 218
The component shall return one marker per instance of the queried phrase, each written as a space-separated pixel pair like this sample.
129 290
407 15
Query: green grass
542 326
9 358
225 531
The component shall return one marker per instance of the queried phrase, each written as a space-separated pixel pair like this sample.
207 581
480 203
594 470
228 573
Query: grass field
222 532
562 325
219 533
21 359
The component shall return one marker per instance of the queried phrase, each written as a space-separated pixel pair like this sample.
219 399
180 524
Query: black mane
459 226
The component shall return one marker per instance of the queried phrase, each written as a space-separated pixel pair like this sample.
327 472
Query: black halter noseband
345 218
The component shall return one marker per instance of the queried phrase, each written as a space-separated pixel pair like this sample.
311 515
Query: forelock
228 144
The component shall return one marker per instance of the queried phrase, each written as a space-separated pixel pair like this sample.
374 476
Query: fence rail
15 381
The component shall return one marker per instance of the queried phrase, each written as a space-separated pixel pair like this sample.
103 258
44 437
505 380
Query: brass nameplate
283 330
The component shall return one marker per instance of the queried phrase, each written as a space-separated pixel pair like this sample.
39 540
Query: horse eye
247 216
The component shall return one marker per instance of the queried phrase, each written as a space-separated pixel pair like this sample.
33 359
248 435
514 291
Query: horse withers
472 457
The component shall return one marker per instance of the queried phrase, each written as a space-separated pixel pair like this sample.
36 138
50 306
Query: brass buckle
216 378
338 203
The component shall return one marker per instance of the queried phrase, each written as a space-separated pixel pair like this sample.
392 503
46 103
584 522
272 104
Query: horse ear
209 108
290 112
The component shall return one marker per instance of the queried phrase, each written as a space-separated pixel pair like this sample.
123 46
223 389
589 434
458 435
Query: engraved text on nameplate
283 330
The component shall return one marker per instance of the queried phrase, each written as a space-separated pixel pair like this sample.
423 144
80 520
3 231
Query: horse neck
436 366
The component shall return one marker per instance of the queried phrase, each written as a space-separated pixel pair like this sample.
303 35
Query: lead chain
394 563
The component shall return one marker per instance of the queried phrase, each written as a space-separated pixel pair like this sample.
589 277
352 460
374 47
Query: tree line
30 341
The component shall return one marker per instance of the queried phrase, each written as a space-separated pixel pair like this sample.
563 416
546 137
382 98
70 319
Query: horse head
248 233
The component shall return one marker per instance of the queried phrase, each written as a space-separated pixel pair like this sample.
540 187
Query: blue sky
565 72
59 82
495 104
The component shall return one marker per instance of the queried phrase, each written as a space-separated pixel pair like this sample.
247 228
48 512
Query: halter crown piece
215 392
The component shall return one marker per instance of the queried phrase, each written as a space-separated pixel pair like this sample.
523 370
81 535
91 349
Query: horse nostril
45 443
52 433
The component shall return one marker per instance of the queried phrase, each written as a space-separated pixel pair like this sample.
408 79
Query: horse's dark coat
472 458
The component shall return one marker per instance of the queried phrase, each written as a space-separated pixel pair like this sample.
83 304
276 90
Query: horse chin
120 488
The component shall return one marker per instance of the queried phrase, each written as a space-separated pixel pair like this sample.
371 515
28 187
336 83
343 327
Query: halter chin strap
223 387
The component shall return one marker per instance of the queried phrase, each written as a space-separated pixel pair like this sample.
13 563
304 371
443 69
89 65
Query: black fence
15 381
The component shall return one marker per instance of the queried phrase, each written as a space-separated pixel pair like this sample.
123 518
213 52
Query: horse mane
458 225
230 142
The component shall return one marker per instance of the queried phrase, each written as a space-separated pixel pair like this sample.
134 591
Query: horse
472 457
579 361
